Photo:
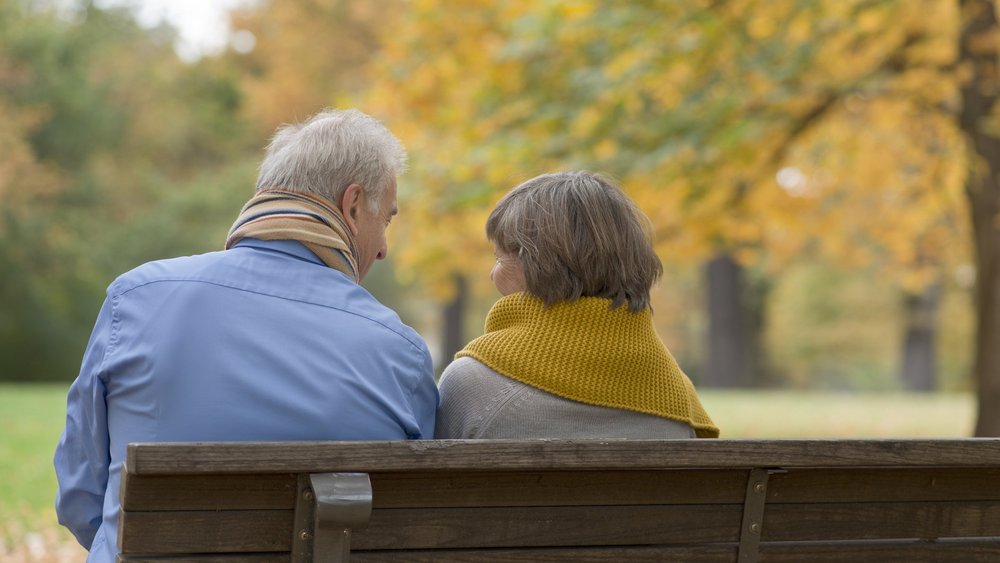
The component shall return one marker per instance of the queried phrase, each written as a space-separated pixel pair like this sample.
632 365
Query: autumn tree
306 54
980 57
753 131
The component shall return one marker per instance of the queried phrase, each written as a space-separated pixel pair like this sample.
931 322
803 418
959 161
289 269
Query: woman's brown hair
576 235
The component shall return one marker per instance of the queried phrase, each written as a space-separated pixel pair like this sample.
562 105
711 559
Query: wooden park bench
551 500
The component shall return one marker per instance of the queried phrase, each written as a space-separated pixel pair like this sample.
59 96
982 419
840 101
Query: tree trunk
453 322
978 52
919 367
729 361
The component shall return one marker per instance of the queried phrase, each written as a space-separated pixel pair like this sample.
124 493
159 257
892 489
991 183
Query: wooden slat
206 531
208 492
886 485
882 552
863 521
402 490
829 552
252 531
548 526
224 558
560 488
631 554
424 455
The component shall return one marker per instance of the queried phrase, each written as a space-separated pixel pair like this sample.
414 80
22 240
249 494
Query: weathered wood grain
559 488
630 554
551 500
818 552
864 521
207 492
234 531
205 531
825 552
548 526
884 485
220 558
427 455
882 552
490 488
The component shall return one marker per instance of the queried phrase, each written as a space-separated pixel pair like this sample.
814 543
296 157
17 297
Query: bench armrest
327 507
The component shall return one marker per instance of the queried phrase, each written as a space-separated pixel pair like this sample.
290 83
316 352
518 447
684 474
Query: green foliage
126 154
833 329
55 60
186 217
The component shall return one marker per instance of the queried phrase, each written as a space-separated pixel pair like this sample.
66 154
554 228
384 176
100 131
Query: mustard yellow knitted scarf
283 215
587 352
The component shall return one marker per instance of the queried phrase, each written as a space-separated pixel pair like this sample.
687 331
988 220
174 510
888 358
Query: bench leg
753 515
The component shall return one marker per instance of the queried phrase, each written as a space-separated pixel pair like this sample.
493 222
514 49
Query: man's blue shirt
260 342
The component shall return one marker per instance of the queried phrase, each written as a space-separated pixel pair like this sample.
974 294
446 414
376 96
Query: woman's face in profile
507 275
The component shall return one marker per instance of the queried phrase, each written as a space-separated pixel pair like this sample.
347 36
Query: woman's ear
350 205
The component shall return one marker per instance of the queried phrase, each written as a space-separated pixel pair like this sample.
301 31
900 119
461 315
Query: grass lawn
808 414
31 419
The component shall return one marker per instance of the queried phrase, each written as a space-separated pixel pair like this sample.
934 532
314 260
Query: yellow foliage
772 128
307 53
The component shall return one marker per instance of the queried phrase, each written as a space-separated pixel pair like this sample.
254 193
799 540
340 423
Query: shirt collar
293 248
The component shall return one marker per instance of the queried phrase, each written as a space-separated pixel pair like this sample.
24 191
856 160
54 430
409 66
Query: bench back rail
484 501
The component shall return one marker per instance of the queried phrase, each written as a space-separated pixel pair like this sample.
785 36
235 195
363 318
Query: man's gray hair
330 151
576 234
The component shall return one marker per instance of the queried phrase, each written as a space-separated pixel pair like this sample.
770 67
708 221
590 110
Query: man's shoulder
167 269
367 310
277 277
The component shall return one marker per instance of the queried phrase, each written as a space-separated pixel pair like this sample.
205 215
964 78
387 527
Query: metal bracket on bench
327 507
752 527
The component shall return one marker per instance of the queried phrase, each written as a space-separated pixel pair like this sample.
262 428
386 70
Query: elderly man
270 339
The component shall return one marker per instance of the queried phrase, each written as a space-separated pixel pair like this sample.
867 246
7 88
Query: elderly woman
570 350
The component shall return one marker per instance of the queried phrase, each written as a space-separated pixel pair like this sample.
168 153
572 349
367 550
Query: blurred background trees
116 153
823 217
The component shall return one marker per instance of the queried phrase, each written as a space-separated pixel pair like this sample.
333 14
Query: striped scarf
284 215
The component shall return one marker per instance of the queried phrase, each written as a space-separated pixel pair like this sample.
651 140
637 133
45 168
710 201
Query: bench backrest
541 500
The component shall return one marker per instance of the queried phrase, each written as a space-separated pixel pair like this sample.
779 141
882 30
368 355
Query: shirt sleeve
83 455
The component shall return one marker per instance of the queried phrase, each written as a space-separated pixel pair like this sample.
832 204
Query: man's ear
350 205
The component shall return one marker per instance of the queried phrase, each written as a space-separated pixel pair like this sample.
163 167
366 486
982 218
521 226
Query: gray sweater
478 402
